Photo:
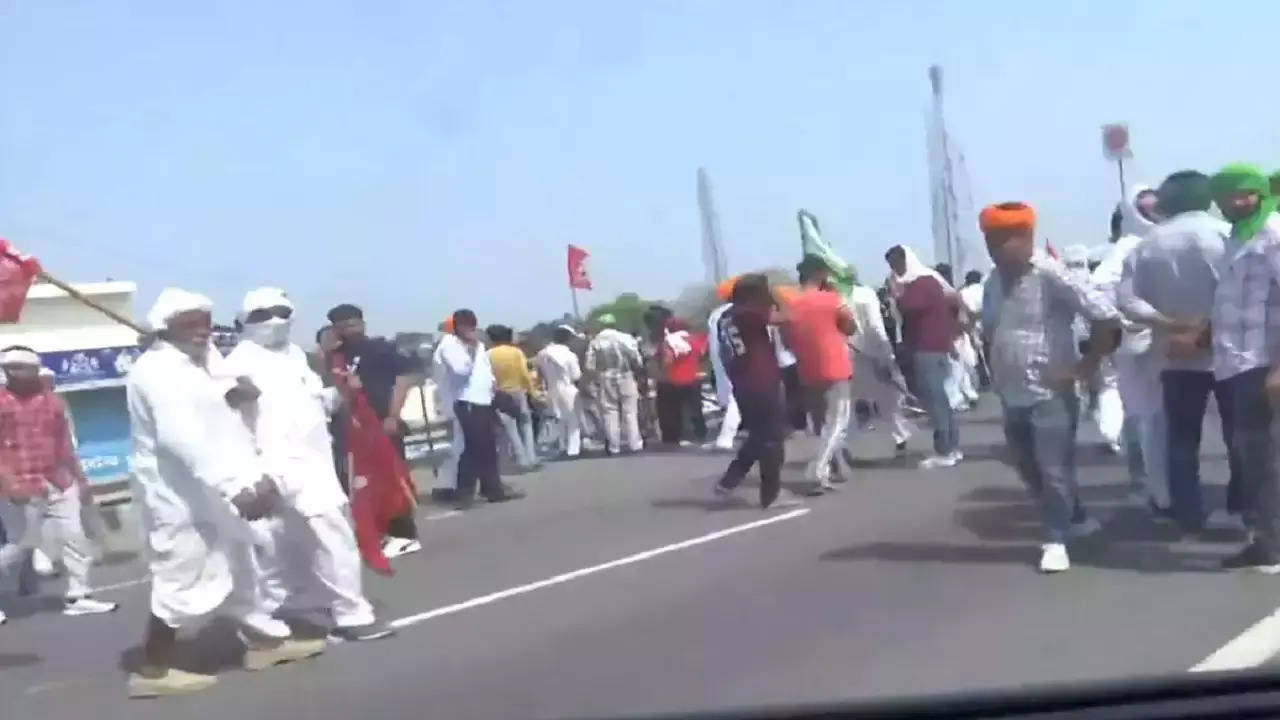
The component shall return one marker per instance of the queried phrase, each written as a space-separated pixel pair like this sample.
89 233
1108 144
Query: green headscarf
1184 191
1240 177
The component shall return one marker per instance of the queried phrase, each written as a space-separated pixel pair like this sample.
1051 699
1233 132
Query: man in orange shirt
818 326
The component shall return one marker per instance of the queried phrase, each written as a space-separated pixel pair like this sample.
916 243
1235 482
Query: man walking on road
471 387
42 484
198 480
747 350
559 368
1028 310
1246 311
818 325
613 358
512 379
386 376
289 421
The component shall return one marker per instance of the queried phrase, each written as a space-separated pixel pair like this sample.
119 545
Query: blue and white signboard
91 368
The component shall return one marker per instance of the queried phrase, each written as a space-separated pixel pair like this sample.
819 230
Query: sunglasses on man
264 314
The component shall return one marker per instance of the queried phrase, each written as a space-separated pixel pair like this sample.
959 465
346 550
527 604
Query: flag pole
79 296
574 291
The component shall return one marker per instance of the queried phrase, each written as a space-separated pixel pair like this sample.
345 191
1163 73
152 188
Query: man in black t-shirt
746 347
386 377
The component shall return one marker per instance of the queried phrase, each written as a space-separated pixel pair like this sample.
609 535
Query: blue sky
414 157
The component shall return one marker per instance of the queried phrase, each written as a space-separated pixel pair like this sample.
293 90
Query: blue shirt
467 371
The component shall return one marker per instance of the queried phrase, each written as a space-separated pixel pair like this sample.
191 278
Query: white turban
19 356
1075 255
263 298
175 301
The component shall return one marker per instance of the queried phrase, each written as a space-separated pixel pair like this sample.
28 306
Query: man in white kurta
307 555
559 368
195 479
876 377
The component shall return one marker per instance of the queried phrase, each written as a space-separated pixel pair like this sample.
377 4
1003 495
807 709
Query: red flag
1049 249
578 277
381 488
16 273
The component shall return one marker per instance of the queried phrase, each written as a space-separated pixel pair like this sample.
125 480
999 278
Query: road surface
618 587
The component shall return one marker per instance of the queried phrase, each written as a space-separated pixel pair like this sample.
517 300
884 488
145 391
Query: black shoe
464 504
373 631
900 449
508 493
1252 557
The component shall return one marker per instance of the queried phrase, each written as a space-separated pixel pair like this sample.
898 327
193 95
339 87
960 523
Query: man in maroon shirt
929 306
746 348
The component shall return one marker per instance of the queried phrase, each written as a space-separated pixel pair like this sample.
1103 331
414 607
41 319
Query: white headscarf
173 302
272 332
914 271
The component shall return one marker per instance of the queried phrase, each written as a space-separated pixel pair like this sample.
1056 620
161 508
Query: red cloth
16 273
578 278
821 350
35 444
929 316
381 488
683 369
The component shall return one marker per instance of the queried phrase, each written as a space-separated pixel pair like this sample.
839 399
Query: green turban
1184 191
607 319
1239 177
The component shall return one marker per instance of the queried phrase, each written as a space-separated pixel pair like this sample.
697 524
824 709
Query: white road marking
441 515
575 574
121 585
1249 649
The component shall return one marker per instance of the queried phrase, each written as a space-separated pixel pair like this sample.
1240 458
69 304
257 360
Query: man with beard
197 479
386 377
1028 309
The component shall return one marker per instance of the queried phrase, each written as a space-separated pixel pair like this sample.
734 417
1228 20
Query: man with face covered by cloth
289 422
197 480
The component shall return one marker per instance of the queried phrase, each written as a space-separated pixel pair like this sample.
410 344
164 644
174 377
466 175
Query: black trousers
479 461
1186 396
1253 440
764 417
404 526
675 402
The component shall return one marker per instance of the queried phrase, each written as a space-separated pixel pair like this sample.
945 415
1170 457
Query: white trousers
311 563
835 429
729 424
564 398
891 402
52 523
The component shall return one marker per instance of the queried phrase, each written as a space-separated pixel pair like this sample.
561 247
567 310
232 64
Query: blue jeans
932 371
520 431
1042 438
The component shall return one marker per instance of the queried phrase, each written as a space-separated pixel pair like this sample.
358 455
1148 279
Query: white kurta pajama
190 456
873 349
306 555
559 368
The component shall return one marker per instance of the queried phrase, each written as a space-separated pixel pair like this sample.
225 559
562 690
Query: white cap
263 298
175 301
19 356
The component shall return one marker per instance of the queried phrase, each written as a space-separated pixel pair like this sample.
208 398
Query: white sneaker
686 443
938 461
1054 559
87 606
957 455
1085 528
3 618
395 547
42 564
728 495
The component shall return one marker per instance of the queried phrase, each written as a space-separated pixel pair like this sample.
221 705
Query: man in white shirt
197 479
877 379
289 422
469 379
724 387
558 366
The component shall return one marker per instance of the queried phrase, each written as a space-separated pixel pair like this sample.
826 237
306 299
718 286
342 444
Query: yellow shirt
511 369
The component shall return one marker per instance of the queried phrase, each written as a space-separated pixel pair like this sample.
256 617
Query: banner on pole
578 278
17 271
1115 141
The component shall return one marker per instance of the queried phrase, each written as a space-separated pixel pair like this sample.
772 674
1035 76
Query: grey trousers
53 523
1042 438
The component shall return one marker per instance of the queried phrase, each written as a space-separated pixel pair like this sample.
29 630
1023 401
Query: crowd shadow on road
1007 527
18 659
747 496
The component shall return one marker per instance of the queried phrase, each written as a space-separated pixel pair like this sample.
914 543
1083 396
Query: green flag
843 276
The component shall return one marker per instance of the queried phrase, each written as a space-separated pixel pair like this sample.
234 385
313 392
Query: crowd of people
265 479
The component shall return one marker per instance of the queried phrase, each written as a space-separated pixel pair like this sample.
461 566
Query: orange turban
447 325
1007 216
724 290
784 294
